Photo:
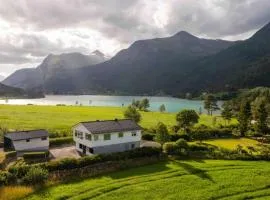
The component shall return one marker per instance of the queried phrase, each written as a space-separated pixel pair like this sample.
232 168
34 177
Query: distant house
21 141
108 136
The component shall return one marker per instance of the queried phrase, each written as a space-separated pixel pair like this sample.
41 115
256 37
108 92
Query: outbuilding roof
23 135
111 126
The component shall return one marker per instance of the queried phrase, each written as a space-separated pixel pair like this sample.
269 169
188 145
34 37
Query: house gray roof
23 135
110 126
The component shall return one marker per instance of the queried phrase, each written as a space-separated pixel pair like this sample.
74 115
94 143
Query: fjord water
171 104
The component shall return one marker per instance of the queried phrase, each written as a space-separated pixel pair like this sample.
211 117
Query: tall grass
14 192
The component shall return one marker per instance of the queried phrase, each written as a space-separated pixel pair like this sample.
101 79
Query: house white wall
127 138
33 144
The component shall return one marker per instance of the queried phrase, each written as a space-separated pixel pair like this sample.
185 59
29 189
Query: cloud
32 29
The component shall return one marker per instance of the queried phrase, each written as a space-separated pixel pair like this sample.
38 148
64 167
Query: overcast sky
31 29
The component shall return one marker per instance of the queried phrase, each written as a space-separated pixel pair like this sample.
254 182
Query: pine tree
226 113
262 115
244 117
162 108
210 104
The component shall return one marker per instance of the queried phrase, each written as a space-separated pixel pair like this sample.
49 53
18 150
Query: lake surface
171 104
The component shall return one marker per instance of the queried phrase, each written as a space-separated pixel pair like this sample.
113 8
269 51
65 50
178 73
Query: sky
32 29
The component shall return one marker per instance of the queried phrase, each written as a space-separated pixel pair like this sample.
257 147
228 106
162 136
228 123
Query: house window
107 136
133 133
44 138
89 137
27 140
91 150
80 146
121 134
132 146
79 134
95 137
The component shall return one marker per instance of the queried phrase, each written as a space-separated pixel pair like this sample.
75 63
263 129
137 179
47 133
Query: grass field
232 143
179 180
62 118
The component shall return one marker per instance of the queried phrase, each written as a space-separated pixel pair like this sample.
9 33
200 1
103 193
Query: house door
84 149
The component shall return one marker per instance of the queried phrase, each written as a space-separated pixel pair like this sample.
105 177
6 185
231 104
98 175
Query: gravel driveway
64 152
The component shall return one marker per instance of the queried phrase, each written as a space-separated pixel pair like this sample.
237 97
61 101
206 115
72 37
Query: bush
148 136
181 143
175 137
35 175
71 163
200 147
170 148
209 133
11 154
35 155
60 141
6 178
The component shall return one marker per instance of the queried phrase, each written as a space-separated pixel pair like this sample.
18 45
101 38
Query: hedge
72 163
36 155
11 154
148 136
60 141
209 133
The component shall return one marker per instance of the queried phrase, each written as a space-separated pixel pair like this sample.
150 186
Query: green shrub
170 148
72 163
11 154
200 147
148 136
181 143
209 133
6 178
35 155
60 141
19 171
35 175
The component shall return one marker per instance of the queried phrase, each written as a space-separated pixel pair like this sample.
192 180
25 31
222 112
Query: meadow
187 180
232 143
62 118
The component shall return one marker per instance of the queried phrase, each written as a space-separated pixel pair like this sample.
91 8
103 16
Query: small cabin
27 141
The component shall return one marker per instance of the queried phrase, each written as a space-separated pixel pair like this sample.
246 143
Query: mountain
1 78
183 64
174 65
52 66
146 67
7 91
243 65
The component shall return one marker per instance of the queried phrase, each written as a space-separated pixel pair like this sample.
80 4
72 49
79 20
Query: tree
261 120
135 103
226 113
132 113
144 104
162 108
244 117
162 134
187 118
210 104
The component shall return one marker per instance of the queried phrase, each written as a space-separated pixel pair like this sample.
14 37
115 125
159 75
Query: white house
96 137
34 140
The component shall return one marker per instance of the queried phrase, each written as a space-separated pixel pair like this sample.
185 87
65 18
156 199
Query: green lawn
179 180
61 118
232 143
